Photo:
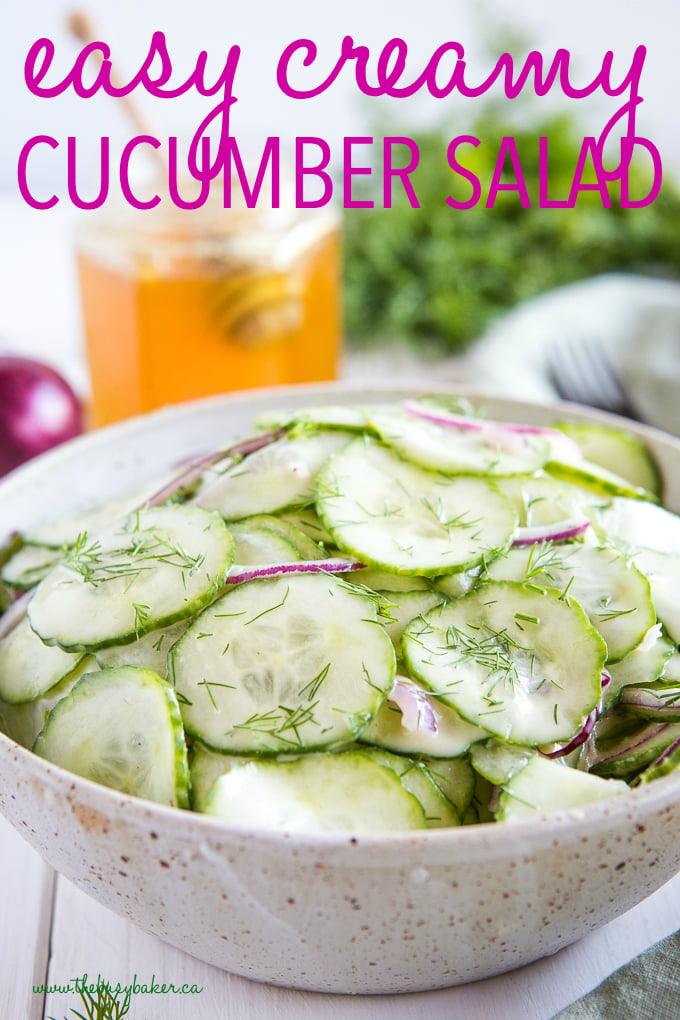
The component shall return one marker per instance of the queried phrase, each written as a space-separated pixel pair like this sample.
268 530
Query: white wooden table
52 933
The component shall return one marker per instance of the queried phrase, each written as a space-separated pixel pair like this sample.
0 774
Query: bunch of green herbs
438 276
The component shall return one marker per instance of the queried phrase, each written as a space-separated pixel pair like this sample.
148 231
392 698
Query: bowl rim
635 803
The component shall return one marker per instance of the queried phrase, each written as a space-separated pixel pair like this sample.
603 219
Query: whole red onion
38 410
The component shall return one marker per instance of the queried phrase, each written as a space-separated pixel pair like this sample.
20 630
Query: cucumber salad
360 620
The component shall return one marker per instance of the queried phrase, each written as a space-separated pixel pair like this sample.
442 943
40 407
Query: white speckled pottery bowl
393 913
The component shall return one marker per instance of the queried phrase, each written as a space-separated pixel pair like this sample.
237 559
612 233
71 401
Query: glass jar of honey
183 304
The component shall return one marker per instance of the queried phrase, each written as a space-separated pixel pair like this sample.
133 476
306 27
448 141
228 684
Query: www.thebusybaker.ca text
134 987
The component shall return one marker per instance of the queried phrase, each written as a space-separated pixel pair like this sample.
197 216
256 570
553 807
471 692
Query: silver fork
580 370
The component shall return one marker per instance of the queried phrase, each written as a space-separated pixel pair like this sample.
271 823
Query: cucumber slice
325 416
397 516
598 479
499 762
540 499
404 606
64 531
666 763
643 665
415 777
657 701
455 777
614 594
157 567
28 667
29 566
305 547
622 744
275 477
651 536
480 807
616 449
308 522
205 767
632 525
149 651
345 792
257 545
671 671
663 573
545 787
283 664
454 586
388 583
452 737
23 722
451 450
121 728
522 664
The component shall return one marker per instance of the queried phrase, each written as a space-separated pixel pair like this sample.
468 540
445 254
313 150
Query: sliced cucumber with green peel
503 657
454 586
540 499
157 567
455 777
305 547
622 744
658 701
277 476
545 787
398 516
486 450
28 667
452 736
391 583
257 545
283 664
614 594
671 670
149 651
308 522
29 566
325 416
498 762
344 792
597 479
667 762
632 525
616 449
23 722
404 606
205 767
643 665
663 573
415 777
121 728
64 532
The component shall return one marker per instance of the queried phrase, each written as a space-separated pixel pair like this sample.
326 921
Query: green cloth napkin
647 988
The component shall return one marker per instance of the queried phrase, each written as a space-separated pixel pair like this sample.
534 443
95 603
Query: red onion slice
416 709
559 531
443 417
576 741
587 728
239 574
